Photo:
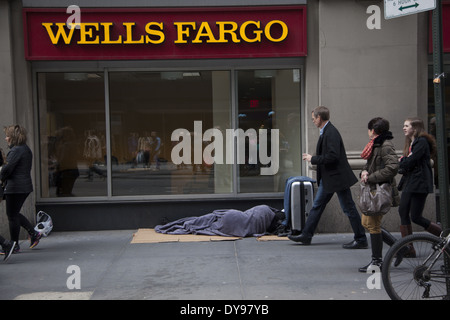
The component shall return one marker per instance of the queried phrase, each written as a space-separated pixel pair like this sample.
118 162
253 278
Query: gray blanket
228 222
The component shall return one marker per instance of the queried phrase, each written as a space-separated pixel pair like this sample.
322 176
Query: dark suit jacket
333 169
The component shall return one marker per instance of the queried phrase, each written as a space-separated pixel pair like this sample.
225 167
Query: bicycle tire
407 281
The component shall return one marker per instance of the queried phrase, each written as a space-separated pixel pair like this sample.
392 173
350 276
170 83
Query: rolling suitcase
301 203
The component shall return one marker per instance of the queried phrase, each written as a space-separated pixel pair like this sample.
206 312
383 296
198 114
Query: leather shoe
300 238
355 245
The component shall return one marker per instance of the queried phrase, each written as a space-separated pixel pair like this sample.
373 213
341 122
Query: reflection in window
269 99
72 134
146 109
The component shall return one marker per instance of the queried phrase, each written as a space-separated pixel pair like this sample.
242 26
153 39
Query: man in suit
334 175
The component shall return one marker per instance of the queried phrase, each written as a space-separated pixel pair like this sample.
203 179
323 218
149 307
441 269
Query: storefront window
72 134
269 100
157 120
168 133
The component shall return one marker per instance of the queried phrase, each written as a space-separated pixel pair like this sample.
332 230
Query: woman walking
16 176
381 167
417 180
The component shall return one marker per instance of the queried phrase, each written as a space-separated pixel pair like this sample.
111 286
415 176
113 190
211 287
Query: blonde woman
16 175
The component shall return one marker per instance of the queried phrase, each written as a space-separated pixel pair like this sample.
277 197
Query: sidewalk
110 267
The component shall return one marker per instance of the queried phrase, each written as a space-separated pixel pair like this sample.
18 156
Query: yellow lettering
86 32
157 33
60 33
107 30
183 30
129 39
226 31
205 31
231 31
257 33
283 34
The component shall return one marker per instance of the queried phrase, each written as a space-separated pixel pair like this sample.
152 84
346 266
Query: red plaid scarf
367 152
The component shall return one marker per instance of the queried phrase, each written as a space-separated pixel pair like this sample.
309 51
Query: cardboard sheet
151 236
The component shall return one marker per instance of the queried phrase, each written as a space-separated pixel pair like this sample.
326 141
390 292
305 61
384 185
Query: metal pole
441 133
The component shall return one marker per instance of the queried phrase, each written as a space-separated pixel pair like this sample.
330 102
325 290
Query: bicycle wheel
408 278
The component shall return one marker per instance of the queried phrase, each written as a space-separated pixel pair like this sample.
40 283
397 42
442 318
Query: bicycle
417 267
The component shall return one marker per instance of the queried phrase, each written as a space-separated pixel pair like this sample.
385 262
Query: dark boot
405 252
376 241
405 230
434 229
388 238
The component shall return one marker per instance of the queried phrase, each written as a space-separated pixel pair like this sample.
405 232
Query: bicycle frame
426 274
441 246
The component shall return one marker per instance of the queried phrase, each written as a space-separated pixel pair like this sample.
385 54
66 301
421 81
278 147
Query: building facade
142 112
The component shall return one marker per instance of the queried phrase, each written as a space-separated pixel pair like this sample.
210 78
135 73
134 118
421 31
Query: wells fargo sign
143 33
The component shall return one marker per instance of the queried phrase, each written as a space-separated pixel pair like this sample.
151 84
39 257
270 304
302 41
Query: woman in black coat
16 175
7 246
417 180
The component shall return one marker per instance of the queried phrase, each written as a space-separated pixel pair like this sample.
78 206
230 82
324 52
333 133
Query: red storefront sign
184 33
446 26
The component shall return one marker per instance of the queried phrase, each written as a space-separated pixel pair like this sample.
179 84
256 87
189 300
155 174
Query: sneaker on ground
35 239
8 249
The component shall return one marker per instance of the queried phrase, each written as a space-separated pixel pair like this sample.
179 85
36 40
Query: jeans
348 206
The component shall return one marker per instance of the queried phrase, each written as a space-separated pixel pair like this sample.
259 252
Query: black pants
14 203
413 203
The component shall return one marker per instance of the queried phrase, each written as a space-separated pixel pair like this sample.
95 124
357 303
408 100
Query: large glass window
157 123
269 100
168 133
72 134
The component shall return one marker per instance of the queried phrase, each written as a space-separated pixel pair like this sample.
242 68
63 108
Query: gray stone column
15 92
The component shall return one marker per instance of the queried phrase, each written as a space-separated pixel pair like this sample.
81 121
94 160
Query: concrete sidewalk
110 267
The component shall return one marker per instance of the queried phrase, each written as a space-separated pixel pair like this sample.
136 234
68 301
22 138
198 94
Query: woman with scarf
381 167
